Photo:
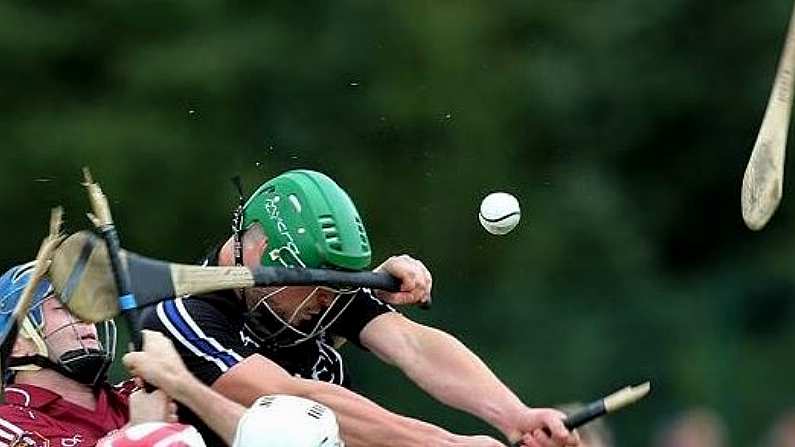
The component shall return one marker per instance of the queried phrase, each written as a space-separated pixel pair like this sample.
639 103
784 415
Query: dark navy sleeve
207 339
362 310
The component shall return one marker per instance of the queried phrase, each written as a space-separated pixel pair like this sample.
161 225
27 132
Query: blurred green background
623 127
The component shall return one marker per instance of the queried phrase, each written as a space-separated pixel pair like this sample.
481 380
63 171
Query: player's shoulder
364 308
16 419
22 425
219 306
10 411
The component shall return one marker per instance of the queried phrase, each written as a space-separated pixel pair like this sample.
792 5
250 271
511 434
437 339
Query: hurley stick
103 220
82 276
614 402
764 175
9 331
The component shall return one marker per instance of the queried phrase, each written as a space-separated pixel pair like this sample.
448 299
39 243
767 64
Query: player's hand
151 407
158 363
415 281
531 424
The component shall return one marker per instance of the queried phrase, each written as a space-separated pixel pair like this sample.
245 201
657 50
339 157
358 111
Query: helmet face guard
86 362
309 222
273 330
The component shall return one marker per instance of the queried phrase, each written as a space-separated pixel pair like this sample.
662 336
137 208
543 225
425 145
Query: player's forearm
364 423
218 412
446 369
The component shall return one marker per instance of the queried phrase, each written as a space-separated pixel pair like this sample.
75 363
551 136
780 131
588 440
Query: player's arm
446 369
218 412
160 365
201 334
362 422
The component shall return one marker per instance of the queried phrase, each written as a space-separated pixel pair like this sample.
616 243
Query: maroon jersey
34 416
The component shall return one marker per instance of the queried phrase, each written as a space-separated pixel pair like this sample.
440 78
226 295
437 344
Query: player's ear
226 254
255 242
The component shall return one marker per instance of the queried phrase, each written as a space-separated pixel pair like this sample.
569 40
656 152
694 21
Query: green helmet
310 222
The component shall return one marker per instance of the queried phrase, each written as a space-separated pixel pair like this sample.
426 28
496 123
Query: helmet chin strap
87 366
28 330
84 367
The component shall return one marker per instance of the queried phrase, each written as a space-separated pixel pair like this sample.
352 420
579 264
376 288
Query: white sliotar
499 213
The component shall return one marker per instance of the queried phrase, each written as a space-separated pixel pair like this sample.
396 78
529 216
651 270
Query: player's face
299 304
63 332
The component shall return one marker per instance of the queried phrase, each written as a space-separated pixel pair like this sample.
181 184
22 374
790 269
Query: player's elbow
256 376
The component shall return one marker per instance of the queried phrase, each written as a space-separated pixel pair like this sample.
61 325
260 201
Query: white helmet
154 434
287 421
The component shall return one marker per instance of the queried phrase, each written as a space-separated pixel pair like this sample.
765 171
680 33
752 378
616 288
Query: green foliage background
623 127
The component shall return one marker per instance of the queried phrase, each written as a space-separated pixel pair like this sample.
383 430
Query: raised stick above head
764 176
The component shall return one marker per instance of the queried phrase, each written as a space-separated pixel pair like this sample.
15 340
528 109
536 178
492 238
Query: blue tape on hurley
127 302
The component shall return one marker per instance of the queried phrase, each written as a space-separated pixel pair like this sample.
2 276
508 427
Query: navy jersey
209 334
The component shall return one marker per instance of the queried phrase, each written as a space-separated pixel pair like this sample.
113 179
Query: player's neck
70 390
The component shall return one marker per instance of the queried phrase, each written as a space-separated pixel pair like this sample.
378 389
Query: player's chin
89 343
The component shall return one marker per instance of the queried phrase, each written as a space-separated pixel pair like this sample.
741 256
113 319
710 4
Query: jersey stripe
9 431
222 351
180 317
181 325
8 426
161 315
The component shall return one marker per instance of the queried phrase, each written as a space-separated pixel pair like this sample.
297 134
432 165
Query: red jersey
34 416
